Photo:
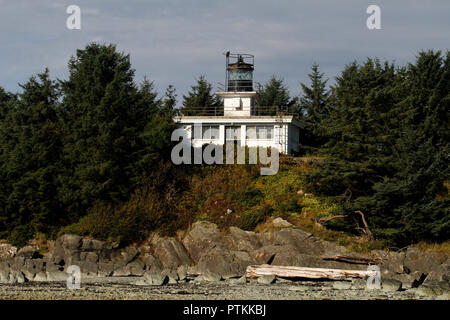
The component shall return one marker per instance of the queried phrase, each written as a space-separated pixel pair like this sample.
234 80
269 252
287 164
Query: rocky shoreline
208 260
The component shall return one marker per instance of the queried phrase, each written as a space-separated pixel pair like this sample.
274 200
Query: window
210 132
264 132
261 132
233 133
251 132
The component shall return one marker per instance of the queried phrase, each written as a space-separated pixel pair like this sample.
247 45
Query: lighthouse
238 96
241 120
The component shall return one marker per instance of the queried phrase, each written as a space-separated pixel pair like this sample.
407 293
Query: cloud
175 41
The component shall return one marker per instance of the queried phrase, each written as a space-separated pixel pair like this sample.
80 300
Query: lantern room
239 72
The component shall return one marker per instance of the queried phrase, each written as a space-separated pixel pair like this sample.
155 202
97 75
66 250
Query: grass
434 247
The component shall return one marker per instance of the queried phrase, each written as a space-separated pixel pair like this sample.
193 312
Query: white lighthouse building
240 120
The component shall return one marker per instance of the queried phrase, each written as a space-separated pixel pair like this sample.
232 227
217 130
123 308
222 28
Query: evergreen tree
156 135
413 204
30 161
169 101
273 96
313 108
200 99
104 116
388 149
359 126
5 99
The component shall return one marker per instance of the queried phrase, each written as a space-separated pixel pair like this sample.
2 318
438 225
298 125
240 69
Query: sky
176 41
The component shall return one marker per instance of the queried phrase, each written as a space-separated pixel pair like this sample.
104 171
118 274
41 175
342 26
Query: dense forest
91 154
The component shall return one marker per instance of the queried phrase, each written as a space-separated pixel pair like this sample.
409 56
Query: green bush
129 222
251 218
20 235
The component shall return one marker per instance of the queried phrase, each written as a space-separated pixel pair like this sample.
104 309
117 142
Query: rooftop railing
254 111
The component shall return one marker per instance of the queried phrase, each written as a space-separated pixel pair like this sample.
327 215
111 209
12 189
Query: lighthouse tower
238 95
241 122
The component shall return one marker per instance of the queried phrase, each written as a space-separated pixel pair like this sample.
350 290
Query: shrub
251 218
20 235
131 221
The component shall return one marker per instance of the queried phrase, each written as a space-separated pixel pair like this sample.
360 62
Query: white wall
285 136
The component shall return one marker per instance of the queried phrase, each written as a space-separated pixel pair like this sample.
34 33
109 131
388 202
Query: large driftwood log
307 273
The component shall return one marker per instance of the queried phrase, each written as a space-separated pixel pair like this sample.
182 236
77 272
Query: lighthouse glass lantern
239 72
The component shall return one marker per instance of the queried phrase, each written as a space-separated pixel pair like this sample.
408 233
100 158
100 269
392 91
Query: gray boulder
182 272
52 267
424 262
281 223
266 254
302 241
87 268
209 277
242 280
266 279
67 248
4 265
16 277
40 277
392 262
171 253
433 288
150 262
123 271
202 237
4 276
240 240
89 257
228 264
57 276
28 252
171 274
136 267
409 281
17 263
105 269
153 279
123 256
91 245
391 285
31 267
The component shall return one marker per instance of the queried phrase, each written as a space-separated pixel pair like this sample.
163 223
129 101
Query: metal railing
254 111
243 87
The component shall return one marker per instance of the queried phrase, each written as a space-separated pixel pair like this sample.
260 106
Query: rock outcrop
208 254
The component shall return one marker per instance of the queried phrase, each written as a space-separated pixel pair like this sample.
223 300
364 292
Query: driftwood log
307 273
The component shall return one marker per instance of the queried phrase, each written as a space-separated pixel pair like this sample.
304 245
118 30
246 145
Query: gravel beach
121 289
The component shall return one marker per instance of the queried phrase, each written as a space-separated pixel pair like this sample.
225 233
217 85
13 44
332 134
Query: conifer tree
274 95
169 101
30 161
200 99
313 108
104 115
388 148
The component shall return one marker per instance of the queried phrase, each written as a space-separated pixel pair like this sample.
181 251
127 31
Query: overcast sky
175 41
